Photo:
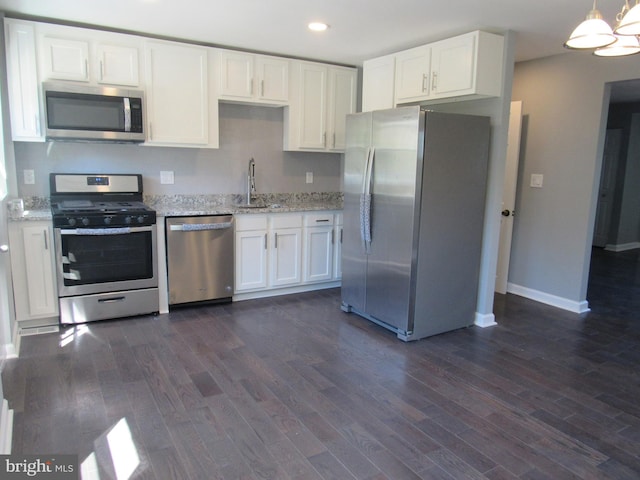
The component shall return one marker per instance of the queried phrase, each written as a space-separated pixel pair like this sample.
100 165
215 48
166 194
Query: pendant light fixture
596 34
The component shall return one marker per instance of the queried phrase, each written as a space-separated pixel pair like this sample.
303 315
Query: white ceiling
360 29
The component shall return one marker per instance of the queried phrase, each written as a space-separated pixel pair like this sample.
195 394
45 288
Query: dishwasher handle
192 227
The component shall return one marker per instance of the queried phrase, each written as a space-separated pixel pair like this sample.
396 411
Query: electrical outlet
309 177
29 177
166 177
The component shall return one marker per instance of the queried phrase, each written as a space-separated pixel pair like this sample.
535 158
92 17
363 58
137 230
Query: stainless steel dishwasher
200 258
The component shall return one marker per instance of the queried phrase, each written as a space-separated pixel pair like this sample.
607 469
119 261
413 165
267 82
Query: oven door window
91 259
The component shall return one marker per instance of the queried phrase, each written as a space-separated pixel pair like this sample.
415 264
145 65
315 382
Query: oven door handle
104 231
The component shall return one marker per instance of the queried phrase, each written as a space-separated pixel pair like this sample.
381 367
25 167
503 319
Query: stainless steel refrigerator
414 198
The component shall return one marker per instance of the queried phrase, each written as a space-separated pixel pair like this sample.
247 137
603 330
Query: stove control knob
140 219
71 221
107 220
127 220
85 221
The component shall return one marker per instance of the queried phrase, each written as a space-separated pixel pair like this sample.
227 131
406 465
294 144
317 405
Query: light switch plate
309 177
536 180
29 177
166 177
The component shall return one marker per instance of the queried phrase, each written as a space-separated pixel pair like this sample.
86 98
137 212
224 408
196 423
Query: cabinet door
413 68
378 79
22 75
117 65
177 94
286 254
273 77
251 260
65 59
453 65
337 248
313 104
342 101
236 75
33 271
318 254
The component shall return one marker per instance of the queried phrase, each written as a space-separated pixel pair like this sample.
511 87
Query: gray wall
565 100
245 132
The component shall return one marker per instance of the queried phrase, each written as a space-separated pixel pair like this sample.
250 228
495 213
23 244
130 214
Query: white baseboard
622 247
6 428
548 299
484 320
265 293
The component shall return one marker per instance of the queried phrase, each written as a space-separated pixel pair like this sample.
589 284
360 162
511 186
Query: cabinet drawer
285 221
250 222
318 219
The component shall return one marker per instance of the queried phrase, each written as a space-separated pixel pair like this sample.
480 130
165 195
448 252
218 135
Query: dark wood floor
292 388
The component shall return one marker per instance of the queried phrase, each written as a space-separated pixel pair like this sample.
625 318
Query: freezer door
354 259
397 139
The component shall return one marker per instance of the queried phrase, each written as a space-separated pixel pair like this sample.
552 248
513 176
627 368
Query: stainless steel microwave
85 113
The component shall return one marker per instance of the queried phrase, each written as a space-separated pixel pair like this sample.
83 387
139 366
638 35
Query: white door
607 184
251 260
509 196
284 266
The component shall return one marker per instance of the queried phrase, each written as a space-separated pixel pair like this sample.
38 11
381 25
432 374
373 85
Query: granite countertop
38 208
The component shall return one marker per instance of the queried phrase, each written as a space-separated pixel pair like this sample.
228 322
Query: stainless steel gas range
105 242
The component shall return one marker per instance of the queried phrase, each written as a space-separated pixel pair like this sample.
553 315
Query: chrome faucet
251 180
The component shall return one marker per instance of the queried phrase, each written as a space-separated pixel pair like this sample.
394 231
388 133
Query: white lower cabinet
251 252
318 247
284 252
337 247
33 270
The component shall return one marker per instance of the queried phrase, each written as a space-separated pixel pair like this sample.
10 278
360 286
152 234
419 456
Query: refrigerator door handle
366 203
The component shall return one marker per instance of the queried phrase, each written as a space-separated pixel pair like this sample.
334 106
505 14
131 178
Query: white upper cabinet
179 110
378 80
245 77
117 65
322 96
64 59
468 65
83 55
413 70
22 76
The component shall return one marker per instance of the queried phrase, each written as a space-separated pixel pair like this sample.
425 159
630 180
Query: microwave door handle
127 114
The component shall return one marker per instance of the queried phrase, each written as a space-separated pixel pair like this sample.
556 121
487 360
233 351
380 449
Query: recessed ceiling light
318 26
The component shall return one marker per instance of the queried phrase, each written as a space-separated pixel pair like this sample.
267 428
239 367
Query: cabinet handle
425 81
275 242
101 71
341 230
265 241
324 139
46 241
251 87
434 81
150 131
333 236
320 220
262 88
86 67
334 140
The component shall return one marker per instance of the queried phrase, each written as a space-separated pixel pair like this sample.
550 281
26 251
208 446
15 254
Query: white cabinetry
83 55
181 110
378 80
284 253
285 256
251 252
318 247
33 269
413 69
321 98
466 67
337 247
245 77
22 75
